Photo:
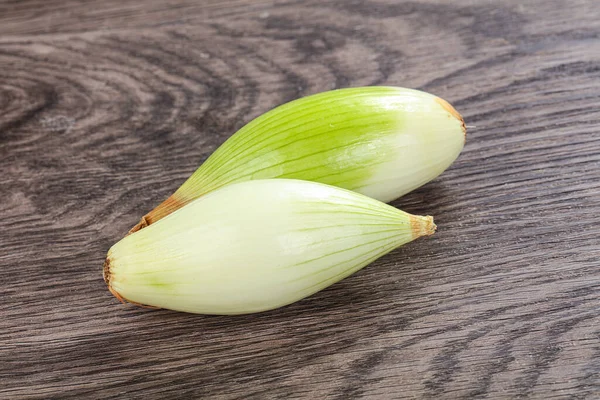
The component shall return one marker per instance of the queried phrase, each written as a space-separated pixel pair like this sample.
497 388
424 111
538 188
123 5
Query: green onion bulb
382 142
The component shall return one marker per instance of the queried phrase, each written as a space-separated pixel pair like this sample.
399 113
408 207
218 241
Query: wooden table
106 107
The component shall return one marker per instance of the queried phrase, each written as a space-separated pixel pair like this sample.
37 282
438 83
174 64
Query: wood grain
106 107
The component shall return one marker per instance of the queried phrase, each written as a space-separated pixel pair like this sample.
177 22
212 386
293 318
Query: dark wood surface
106 107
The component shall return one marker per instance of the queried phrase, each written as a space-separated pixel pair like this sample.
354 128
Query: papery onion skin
255 246
379 141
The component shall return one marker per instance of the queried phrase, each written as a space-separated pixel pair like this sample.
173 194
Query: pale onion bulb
256 245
